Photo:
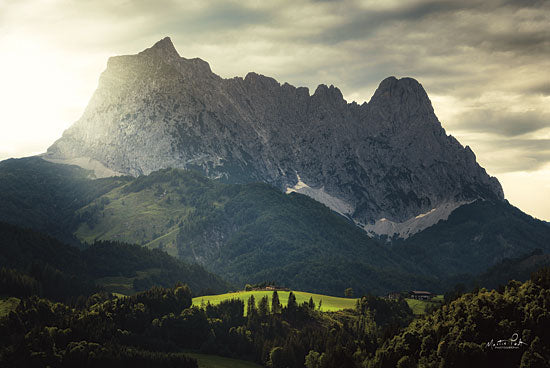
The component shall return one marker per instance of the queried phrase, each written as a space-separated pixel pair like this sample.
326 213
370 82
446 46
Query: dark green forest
44 196
158 326
62 272
465 332
475 237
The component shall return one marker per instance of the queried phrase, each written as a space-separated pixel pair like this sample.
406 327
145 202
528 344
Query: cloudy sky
485 64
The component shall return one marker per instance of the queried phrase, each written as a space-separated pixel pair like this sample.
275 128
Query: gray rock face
385 159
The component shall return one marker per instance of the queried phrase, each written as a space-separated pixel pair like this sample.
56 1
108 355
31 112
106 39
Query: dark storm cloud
455 21
363 23
539 89
511 155
517 41
504 123
219 18
424 32
229 16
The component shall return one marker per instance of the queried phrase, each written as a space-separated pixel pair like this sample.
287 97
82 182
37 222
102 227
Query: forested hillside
467 331
251 233
36 263
155 326
247 233
475 237
44 196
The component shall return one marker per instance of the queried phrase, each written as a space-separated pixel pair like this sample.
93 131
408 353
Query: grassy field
142 218
329 303
419 306
7 304
214 361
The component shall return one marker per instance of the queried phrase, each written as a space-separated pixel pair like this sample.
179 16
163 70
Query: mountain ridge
388 159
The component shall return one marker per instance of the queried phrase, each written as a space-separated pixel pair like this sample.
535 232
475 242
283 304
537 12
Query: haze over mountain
387 164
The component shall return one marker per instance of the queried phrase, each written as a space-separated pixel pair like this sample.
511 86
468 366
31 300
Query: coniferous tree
311 303
292 305
251 307
263 307
292 301
275 303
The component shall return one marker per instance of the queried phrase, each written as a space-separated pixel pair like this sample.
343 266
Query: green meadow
328 303
145 217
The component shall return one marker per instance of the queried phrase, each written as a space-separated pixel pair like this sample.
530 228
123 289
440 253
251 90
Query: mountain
387 164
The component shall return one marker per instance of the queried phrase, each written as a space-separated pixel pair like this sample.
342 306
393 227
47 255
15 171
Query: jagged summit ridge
386 159
163 48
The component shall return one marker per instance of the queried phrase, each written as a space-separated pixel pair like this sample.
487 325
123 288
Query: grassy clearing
419 306
7 304
329 303
214 361
141 218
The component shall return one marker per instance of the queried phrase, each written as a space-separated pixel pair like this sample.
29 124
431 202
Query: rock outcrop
386 159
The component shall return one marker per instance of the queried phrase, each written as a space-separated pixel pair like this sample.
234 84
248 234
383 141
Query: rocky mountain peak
385 163
260 81
397 100
164 49
328 92
399 89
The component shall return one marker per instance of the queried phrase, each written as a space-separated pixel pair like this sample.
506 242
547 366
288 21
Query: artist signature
513 342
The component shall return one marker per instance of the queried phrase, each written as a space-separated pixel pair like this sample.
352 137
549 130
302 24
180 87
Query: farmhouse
276 288
420 295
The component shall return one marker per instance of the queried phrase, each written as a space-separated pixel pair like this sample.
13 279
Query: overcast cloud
485 64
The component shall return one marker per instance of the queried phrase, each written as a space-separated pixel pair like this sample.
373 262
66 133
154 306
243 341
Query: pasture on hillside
328 303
